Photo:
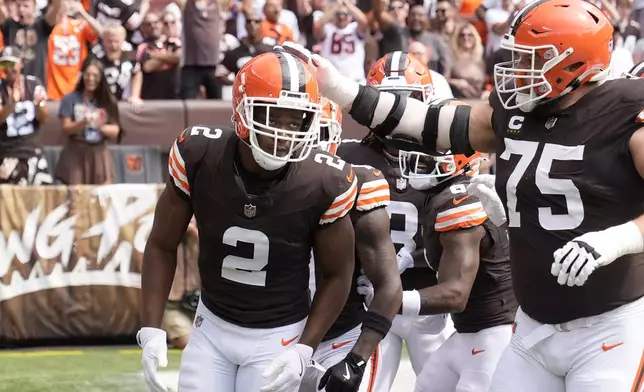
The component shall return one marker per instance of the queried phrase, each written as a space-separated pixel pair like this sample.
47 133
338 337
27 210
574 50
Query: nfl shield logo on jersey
551 122
198 321
401 184
249 210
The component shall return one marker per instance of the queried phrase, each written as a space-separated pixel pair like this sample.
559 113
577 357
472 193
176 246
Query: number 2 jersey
491 301
254 251
373 193
561 177
19 136
404 209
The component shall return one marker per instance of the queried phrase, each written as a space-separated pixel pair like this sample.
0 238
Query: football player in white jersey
341 30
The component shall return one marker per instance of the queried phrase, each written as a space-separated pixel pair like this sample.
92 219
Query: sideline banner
70 259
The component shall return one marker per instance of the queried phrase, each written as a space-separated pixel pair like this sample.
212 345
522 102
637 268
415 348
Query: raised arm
442 125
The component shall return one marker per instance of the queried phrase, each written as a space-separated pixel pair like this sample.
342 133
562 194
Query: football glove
285 373
331 82
344 376
365 288
405 260
155 354
482 187
576 260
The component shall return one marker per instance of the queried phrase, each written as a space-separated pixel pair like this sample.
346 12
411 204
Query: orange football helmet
276 106
402 73
557 46
417 167
330 133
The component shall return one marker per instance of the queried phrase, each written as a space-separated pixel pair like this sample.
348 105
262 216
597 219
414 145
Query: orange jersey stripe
462 225
460 214
373 200
365 192
180 167
183 185
346 209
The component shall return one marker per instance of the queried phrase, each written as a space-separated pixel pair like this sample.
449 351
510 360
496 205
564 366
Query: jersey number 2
547 186
241 269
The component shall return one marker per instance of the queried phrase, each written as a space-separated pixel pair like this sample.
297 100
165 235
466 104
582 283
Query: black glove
344 376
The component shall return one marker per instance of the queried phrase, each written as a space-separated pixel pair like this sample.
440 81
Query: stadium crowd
140 50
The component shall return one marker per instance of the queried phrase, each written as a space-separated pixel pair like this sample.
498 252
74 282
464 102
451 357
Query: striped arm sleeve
462 217
342 204
373 194
177 170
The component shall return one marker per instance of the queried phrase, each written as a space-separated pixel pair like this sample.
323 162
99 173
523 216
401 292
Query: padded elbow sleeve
457 133
364 106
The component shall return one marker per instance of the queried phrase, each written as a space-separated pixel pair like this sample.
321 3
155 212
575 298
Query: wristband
411 303
377 322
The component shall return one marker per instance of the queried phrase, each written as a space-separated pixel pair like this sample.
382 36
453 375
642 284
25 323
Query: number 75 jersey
565 175
254 251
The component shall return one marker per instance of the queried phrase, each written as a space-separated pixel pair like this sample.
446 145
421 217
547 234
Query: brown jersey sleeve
454 209
185 156
340 185
373 189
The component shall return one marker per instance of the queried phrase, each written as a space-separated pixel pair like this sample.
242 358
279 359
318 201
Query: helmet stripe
395 63
293 75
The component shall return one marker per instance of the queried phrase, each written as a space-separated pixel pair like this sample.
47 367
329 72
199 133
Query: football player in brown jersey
404 75
472 257
262 199
349 351
570 162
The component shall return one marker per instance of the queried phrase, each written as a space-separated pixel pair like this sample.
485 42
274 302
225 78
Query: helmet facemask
280 130
524 82
425 171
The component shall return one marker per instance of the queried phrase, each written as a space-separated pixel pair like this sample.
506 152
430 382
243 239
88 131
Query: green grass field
71 370
101 370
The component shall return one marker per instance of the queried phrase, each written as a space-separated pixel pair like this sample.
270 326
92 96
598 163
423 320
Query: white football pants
465 362
224 357
420 346
335 350
603 353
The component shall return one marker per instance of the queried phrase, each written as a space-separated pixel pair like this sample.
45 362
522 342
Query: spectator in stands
467 52
446 23
23 110
227 43
468 81
441 85
271 28
279 16
172 24
127 13
29 33
184 295
201 26
418 25
159 57
391 17
121 69
67 47
309 12
89 117
341 30
250 46
151 29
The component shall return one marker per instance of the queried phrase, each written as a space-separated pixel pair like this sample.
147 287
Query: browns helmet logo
134 162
